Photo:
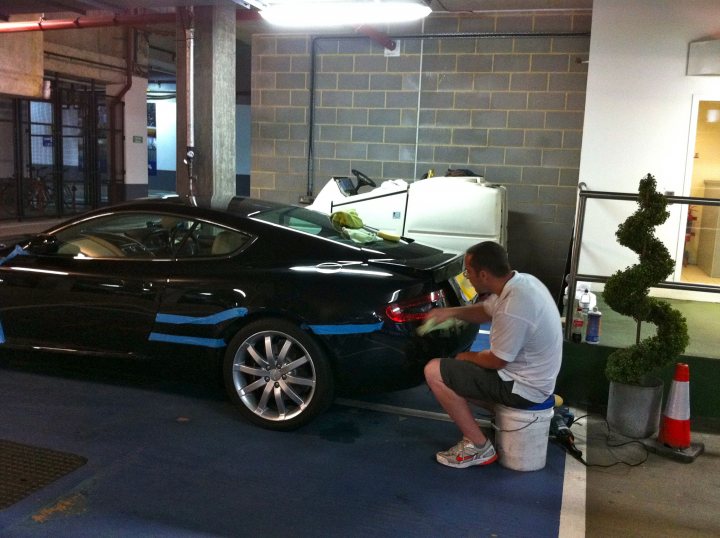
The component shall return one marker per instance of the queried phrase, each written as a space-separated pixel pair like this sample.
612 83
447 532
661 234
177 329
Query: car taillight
415 309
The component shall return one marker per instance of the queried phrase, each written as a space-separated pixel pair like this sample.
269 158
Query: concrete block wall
462 93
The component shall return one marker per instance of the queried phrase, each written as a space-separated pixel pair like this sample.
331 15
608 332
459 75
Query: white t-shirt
526 332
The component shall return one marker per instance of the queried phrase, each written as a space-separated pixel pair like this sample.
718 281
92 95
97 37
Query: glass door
103 137
78 149
86 132
63 159
701 238
38 148
9 199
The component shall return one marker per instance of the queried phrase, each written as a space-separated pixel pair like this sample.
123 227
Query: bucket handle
516 429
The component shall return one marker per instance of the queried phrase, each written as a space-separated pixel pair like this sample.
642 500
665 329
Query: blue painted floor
169 456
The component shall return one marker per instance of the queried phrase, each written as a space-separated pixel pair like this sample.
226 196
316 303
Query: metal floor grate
25 469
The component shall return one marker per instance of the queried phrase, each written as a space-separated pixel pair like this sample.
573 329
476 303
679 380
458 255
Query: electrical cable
566 440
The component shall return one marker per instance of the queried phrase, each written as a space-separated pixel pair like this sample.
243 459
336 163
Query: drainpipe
189 101
129 63
115 101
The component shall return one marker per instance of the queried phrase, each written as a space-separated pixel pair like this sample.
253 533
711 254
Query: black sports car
293 305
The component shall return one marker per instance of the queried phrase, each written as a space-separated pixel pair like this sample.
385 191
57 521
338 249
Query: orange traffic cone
675 425
674 437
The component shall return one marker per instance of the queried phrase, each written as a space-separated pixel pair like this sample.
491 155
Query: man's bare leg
456 406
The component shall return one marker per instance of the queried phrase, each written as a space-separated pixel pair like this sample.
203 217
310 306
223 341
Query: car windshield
320 224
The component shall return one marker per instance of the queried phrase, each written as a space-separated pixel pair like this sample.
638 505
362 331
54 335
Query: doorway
701 259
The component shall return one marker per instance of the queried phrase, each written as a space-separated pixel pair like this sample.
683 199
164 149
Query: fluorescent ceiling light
325 13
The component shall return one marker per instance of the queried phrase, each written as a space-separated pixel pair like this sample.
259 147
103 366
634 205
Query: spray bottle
592 333
584 301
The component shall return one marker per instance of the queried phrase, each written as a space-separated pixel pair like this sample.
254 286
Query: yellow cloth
346 219
431 325
350 225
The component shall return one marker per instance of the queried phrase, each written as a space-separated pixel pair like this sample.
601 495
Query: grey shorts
474 382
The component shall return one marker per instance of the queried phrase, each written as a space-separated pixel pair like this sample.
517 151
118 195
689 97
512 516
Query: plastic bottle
585 300
577 326
594 319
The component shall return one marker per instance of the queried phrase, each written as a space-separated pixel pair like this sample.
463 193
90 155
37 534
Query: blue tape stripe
188 340
2 334
212 319
346 329
17 251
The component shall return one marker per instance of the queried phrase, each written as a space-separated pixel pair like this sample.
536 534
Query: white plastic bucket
521 438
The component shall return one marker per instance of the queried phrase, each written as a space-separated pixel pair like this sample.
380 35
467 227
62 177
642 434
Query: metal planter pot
634 410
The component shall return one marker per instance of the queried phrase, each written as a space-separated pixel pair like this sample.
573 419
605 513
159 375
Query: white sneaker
465 453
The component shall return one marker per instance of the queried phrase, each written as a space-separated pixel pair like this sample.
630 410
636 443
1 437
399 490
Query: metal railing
573 276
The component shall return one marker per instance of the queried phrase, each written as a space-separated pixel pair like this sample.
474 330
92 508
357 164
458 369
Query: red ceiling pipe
86 22
97 22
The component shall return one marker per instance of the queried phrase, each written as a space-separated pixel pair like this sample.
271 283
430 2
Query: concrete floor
658 498
168 456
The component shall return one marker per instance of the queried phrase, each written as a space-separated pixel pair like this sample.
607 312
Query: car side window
148 235
102 237
134 235
304 225
222 241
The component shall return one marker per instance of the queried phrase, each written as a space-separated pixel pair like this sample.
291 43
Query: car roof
239 213
238 205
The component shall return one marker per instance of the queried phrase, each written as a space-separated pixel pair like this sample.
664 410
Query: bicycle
39 195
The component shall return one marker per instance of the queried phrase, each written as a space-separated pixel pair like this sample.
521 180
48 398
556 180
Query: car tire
277 375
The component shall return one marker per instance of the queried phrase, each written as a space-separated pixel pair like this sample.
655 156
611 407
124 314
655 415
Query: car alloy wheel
277 375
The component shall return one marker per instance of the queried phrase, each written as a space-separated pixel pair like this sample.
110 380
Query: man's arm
484 358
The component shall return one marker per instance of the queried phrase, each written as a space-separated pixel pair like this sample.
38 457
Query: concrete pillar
214 110
21 64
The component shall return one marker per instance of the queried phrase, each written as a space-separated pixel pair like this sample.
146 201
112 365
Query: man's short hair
489 256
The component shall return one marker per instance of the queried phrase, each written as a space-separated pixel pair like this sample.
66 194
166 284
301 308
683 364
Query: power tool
560 430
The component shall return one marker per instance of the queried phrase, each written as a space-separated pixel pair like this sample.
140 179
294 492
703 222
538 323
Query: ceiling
26 10
17 10
20 8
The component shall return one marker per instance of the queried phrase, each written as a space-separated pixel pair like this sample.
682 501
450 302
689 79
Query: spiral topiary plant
626 292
